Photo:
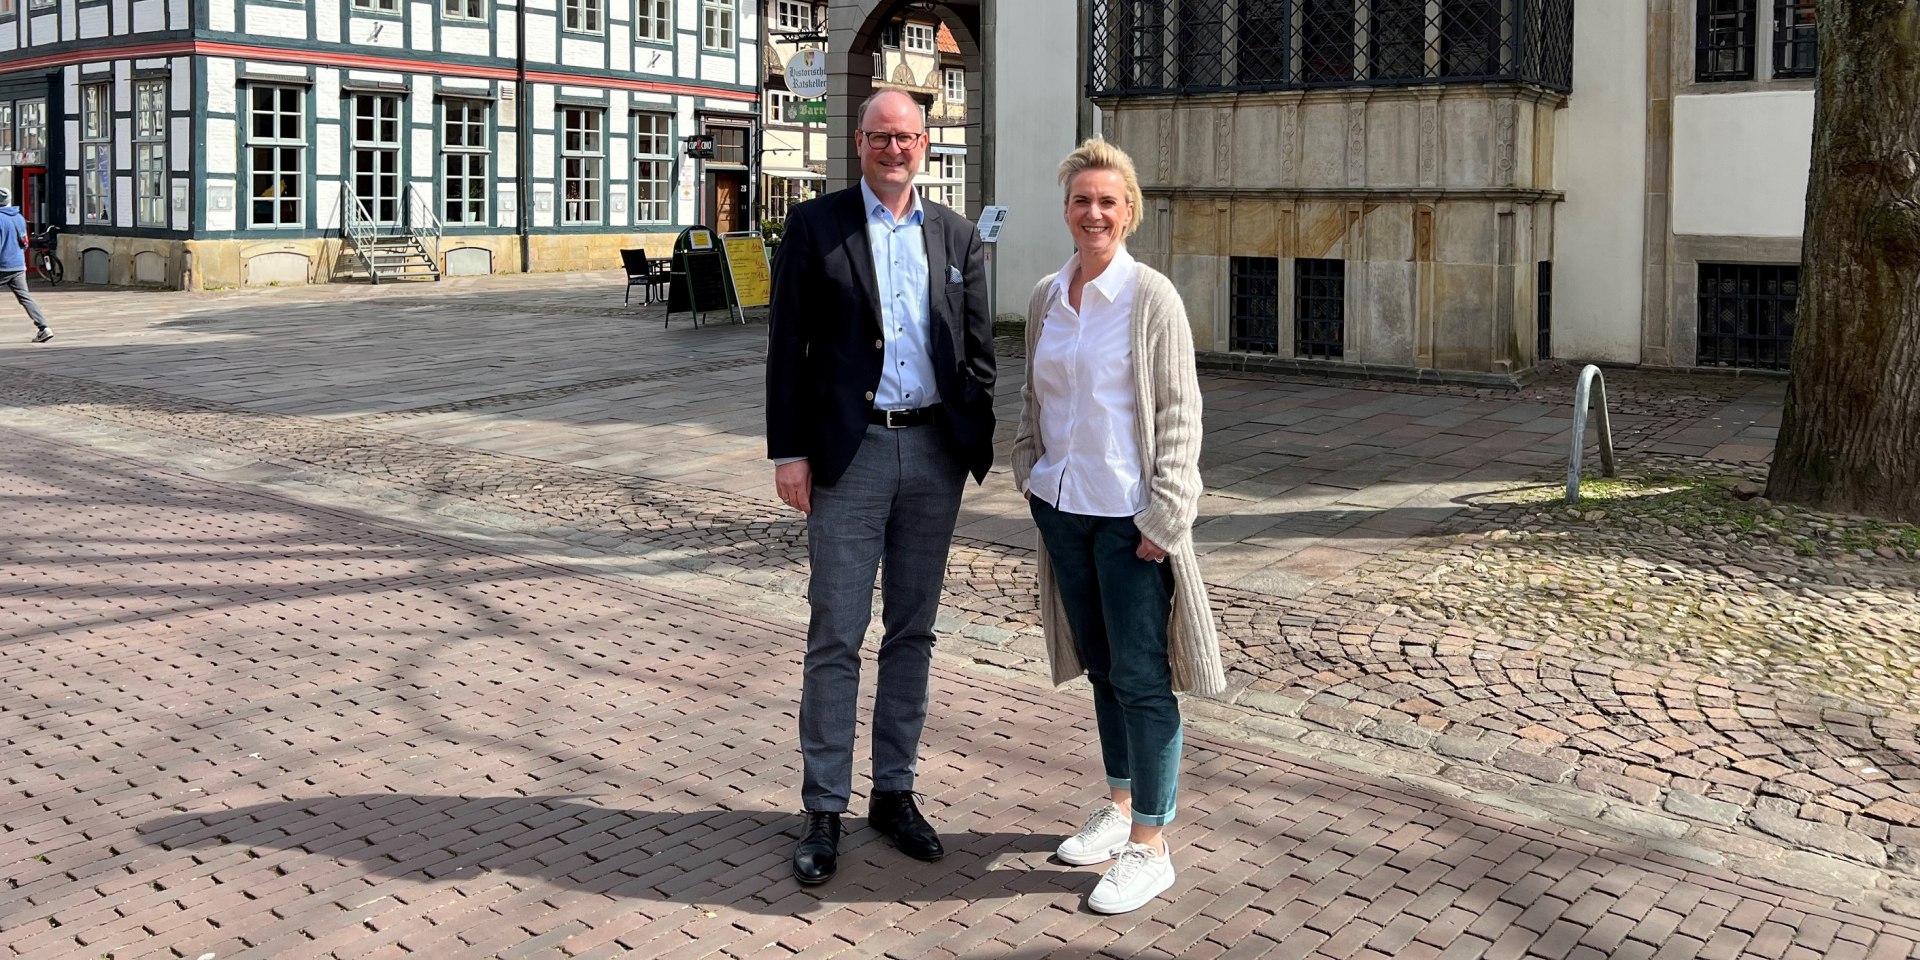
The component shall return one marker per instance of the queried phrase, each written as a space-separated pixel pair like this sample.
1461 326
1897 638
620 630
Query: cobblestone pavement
1666 666
236 725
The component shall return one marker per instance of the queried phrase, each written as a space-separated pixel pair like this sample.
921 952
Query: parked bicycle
40 255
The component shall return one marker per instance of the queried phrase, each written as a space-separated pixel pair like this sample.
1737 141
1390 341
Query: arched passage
857 30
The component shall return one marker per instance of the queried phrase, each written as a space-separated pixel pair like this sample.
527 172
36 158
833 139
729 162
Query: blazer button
879 344
869 396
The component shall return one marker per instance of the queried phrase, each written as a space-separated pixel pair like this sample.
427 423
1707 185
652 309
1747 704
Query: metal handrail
1588 377
423 223
357 224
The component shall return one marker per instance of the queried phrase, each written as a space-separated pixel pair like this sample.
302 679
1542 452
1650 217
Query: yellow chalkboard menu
747 261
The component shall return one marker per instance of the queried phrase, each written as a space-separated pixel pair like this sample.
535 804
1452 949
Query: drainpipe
523 139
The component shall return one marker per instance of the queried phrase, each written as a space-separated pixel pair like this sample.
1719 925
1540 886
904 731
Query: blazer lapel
934 231
853 222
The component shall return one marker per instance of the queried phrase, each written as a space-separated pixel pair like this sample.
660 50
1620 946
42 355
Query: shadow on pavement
733 858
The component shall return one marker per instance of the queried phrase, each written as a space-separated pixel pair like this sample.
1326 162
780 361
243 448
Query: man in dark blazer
879 402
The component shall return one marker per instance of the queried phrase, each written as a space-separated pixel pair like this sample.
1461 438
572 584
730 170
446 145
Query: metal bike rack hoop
1581 394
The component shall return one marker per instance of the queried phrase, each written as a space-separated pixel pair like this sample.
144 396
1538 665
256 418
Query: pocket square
953 274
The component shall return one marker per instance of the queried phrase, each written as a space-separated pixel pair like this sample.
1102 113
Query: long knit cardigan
1167 430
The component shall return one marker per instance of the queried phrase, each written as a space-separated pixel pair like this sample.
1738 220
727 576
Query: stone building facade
1468 186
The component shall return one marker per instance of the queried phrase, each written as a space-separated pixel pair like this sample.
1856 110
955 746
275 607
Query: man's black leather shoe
892 812
818 855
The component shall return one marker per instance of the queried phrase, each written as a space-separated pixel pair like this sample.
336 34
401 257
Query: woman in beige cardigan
1108 454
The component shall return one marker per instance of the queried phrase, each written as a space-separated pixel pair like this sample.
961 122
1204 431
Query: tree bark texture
1850 438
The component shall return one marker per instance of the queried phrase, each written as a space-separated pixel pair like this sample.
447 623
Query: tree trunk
1850 439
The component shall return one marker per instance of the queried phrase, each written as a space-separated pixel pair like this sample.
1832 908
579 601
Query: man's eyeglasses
879 141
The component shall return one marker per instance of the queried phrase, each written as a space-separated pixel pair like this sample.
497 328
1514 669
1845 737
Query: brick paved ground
233 724
1340 518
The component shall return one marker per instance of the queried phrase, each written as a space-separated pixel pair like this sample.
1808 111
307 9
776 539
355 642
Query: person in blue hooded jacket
13 263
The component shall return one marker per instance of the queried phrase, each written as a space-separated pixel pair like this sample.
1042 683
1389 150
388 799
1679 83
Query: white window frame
464 125
717 24
30 117
378 6
794 15
583 159
653 21
464 9
96 152
583 16
150 152
955 80
7 134
281 147
917 37
42 4
653 168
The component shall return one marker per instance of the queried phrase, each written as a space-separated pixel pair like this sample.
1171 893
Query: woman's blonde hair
1097 154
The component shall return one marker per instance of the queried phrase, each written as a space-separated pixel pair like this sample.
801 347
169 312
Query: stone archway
854 41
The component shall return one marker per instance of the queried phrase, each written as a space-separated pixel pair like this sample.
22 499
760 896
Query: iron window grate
1255 322
1747 314
1796 39
1543 311
1144 47
1319 309
1723 41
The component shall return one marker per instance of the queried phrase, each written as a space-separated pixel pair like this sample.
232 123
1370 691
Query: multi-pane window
378 6
582 154
953 169
276 144
890 34
1319 309
917 38
652 167
729 145
376 155
96 153
42 4
463 142
1254 324
1201 42
1326 38
1747 314
1470 38
716 24
150 152
1723 40
1397 39
1543 312
780 106
1796 39
653 21
464 9
956 85
796 15
30 125
6 125
582 16
1262 30
783 193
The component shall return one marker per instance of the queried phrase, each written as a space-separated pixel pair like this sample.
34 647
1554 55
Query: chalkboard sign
699 282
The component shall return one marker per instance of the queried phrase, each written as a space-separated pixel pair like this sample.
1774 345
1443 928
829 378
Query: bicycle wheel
51 269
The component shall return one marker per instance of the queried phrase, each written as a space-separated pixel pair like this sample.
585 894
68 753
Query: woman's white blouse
1083 381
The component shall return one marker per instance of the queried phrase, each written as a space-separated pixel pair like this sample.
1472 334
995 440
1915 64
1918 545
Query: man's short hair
860 114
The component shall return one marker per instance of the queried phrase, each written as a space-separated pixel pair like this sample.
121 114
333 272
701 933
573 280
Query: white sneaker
1102 839
1137 876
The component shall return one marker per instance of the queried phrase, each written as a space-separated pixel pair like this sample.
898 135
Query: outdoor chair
648 274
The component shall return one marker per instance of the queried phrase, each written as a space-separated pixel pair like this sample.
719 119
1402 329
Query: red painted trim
364 61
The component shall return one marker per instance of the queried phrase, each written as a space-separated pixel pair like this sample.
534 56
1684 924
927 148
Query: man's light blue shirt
900 269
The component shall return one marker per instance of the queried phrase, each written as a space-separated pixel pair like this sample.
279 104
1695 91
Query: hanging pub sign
699 146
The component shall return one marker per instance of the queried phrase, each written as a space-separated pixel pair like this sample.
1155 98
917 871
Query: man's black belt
895 419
